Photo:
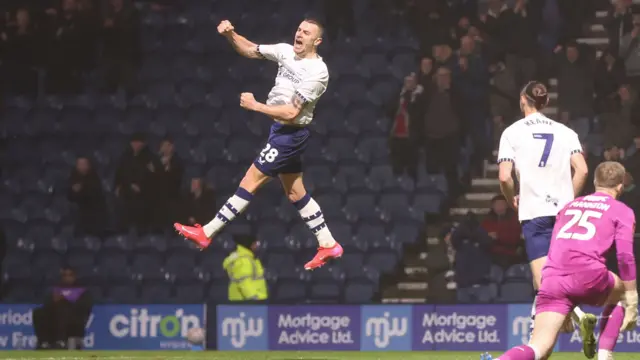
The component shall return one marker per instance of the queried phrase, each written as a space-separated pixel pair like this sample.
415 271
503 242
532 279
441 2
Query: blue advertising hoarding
386 327
111 327
492 328
308 327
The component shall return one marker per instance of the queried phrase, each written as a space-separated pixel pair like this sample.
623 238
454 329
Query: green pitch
266 355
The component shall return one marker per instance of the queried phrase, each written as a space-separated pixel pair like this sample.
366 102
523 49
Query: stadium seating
190 83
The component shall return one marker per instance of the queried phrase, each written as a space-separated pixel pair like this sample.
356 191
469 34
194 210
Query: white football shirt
308 78
541 150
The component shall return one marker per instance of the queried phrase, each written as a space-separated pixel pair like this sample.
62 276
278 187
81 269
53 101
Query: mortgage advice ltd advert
314 328
471 328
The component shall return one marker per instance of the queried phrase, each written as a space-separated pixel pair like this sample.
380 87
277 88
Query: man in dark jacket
135 183
60 322
199 204
442 126
85 190
169 179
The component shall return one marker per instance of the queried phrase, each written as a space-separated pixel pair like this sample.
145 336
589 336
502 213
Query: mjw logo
384 328
239 329
520 327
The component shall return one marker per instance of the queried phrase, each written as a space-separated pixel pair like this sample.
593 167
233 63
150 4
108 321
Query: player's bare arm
242 46
286 113
580 172
507 185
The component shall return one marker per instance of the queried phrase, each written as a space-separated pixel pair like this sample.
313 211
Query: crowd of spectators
465 91
148 190
62 46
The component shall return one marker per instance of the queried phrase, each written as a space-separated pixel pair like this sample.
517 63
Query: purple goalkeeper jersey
585 231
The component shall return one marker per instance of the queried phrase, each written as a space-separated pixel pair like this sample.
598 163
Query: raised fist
225 27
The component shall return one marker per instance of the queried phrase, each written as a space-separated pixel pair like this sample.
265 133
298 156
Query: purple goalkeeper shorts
560 294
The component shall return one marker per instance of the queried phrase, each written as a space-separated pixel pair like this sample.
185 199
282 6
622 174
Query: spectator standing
65 34
471 244
21 43
425 73
85 191
199 205
618 128
405 128
575 88
619 23
121 46
609 77
502 102
502 225
60 322
167 188
473 83
632 163
523 49
631 195
630 51
339 16
442 125
134 180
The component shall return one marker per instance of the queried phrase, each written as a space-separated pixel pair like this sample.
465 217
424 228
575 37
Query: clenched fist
247 101
225 27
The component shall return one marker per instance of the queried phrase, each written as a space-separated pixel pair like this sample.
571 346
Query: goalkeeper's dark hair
536 95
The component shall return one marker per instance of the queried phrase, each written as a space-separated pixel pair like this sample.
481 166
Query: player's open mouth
298 42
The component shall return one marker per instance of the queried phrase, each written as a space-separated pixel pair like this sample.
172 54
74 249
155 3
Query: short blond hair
609 175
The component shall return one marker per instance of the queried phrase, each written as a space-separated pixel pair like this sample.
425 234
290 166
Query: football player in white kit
302 78
544 153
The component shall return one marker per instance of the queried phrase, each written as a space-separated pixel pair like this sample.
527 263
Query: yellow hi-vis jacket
246 276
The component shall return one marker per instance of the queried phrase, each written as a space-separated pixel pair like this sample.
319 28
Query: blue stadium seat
395 206
518 272
180 261
155 293
382 177
358 293
384 262
477 294
496 275
119 243
80 260
218 293
361 206
427 203
151 243
319 176
190 294
271 233
20 294
112 261
123 294
90 244
147 260
370 233
405 233
47 261
290 291
278 262
373 151
325 292
516 292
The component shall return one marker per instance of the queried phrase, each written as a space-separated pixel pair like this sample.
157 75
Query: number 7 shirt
541 150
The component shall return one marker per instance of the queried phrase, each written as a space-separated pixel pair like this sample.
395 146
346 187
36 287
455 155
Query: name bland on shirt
463 328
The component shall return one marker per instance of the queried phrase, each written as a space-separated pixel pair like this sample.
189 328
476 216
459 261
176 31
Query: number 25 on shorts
269 153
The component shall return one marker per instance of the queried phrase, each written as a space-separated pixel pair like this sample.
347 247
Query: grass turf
267 355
